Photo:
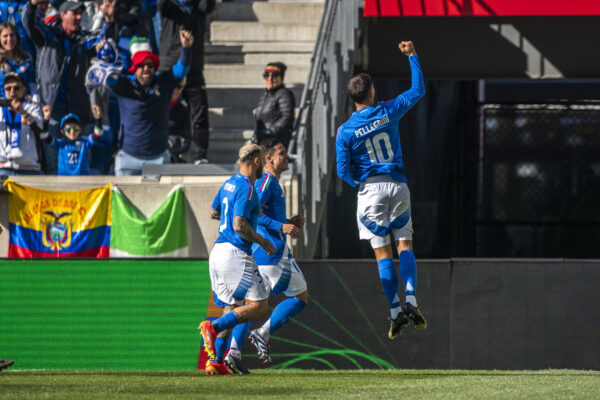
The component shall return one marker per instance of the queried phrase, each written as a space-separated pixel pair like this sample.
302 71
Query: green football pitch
301 384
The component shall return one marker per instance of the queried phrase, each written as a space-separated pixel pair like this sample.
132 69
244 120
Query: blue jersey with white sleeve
273 217
368 144
236 198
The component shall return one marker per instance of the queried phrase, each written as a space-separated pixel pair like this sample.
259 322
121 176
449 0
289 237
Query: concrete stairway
245 35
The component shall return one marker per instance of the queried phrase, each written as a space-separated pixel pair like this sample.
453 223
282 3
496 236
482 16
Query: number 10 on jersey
379 148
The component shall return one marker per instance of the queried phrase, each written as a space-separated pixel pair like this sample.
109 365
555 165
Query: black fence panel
538 188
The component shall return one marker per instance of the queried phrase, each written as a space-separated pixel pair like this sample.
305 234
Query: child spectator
73 158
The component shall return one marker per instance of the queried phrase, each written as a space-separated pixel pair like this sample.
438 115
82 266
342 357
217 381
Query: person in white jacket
20 123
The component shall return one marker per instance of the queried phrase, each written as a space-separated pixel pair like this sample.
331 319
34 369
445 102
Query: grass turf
301 384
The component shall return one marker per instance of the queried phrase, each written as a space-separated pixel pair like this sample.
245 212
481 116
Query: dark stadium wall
472 48
482 314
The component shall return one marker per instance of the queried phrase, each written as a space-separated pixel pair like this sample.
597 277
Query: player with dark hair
369 156
236 283
279 270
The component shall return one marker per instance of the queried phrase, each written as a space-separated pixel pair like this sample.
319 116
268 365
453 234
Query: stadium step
222 117
242 96
249 74
236 31
270 12
298 53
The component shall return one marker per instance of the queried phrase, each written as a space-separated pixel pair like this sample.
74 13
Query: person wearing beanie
144 98
190 15
274 114
64 53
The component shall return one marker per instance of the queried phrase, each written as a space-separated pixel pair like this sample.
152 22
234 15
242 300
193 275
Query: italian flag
163 234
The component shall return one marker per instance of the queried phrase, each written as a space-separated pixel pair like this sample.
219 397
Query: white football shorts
285 277
234 275
383 208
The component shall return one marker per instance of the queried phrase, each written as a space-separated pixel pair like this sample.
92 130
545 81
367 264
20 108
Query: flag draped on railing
163 234
45 223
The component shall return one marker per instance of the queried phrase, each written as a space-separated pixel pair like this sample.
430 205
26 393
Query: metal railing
323 107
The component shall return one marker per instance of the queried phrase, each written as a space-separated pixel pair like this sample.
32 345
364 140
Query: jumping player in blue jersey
236 283
369 157
279 270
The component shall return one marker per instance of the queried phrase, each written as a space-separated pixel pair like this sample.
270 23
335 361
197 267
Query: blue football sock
389 281
239 335
408 272
227 321
284 312
220 347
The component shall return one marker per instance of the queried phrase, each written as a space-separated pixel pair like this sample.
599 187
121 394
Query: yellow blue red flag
45 223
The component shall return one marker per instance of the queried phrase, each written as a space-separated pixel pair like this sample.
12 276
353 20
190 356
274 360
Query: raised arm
403 102
182 67
34 32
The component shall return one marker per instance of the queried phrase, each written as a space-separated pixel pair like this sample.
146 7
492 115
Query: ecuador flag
46 223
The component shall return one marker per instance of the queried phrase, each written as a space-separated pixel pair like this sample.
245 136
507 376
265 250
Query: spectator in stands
73 149
11 12
20 121
274 114
64 54
128 14
144 100
179 125
13 58
189 15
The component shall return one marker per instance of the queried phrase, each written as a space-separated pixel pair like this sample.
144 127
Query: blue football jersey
270 194
73 156
236 198
368 143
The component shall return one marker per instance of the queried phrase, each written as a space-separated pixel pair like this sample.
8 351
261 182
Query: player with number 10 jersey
369 155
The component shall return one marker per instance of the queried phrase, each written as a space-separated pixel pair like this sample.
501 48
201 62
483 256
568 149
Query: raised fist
407 48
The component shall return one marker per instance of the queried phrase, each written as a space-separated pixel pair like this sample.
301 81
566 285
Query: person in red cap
144 99
274 114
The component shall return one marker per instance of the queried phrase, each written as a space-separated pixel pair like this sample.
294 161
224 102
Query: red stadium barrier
479 8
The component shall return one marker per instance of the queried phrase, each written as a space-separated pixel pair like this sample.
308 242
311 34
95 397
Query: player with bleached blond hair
236 283
369 157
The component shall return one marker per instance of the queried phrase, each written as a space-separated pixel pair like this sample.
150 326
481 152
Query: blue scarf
14 127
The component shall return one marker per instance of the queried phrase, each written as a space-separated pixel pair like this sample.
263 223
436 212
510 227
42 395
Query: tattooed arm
243 228
214 214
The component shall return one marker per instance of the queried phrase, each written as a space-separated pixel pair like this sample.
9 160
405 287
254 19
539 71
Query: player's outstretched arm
404 101
243 228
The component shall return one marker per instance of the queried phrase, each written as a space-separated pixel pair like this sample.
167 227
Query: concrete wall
147 196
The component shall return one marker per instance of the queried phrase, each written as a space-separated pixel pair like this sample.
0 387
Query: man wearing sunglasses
274 114
19 120
144 98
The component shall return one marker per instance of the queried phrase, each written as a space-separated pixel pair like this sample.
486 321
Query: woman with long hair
14 59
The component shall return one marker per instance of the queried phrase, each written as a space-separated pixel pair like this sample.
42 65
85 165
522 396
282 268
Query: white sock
264 330
234 345
412 300
395 311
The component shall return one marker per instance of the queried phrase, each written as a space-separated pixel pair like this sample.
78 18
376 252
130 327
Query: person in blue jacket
369 156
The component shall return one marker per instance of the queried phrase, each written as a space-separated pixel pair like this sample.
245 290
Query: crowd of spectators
147 105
